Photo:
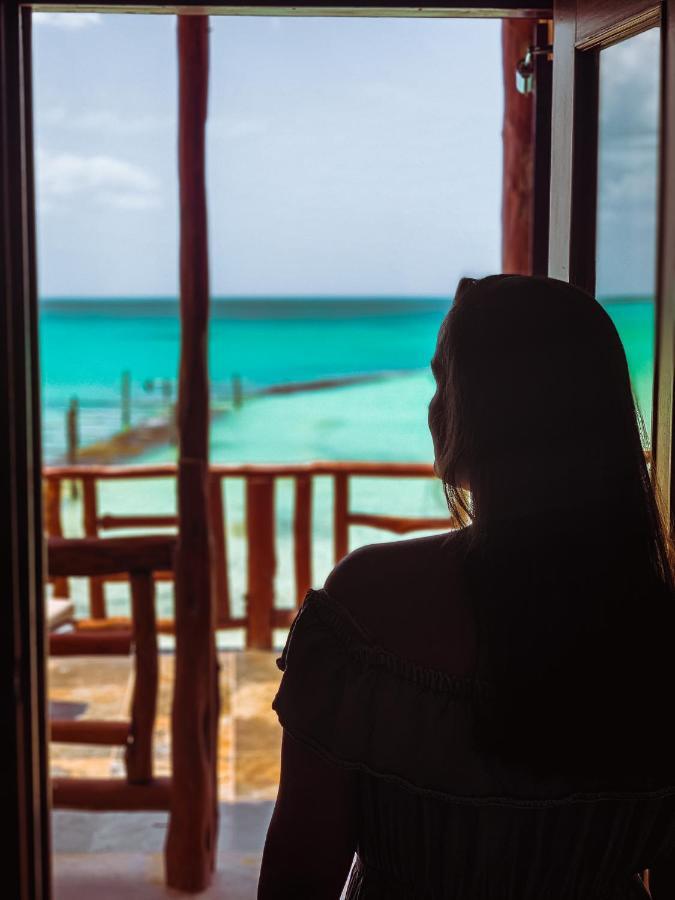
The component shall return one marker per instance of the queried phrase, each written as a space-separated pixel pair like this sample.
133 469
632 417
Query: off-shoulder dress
436 821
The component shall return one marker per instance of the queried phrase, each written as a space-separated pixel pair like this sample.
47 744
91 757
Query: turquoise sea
87 344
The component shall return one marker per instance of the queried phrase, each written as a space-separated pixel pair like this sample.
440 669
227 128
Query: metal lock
525 73
525 68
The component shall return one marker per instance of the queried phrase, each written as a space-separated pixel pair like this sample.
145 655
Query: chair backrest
138 558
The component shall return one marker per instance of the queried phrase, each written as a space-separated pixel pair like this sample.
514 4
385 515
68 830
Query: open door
612 212
24 784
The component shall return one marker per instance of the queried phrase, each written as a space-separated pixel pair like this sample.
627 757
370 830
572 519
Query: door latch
525 68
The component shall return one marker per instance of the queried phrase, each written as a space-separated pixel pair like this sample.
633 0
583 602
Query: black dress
437 821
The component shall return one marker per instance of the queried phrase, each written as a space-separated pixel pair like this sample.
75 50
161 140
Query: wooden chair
139 558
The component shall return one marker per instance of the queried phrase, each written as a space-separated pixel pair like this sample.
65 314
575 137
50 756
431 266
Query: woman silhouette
484 714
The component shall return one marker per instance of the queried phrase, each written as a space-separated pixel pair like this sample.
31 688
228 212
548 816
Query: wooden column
191 840
218 532
261 561
302 536
340 513
146 679
54 525
518 158
97 604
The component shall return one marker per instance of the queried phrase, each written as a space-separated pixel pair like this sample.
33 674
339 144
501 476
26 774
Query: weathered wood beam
302 536
191 840
218 532
518 157
241 470
103 732
97 603
430 9
103 642
340 516
401 524
261 561
80 557
109 521
110 794
138 756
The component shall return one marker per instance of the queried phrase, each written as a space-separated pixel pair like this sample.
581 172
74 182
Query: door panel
586 41
627 202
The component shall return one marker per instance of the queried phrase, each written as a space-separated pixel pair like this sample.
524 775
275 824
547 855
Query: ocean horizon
87 343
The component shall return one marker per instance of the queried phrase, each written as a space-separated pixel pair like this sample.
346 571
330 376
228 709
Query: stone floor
111 855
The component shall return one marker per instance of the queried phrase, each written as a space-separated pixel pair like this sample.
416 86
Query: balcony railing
261 614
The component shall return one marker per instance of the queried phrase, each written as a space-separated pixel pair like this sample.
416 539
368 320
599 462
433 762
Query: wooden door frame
497 9
664 371
24 806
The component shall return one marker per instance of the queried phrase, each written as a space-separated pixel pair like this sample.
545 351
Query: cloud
629 86
628 165
105 121
98 179
628 137
68 21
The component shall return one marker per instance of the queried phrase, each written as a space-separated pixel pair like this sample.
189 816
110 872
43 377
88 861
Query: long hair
566 563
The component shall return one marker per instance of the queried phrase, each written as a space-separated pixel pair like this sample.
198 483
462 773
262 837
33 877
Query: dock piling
126 400
237 392
72 439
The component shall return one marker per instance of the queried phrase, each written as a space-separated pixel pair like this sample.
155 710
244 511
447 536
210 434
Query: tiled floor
111 855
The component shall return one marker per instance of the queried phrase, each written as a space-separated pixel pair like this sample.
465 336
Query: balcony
264 557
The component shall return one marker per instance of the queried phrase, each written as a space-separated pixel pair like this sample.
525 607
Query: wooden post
125 398
72 432
54 526
261 561
541 150
97 604
73 439
217 513
518 156
192 836
340 509
167 392
144 702
302 536
237 393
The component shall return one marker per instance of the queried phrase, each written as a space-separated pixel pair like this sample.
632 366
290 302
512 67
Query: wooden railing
261 616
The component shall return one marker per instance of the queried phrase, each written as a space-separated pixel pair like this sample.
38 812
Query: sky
628 166
345 156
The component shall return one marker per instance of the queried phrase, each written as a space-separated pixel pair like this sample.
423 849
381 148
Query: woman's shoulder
382 565
409 596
